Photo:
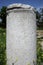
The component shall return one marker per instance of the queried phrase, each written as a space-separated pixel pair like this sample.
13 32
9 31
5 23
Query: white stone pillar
21 35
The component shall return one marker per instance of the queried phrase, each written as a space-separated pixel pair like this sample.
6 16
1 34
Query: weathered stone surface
21 5
21 37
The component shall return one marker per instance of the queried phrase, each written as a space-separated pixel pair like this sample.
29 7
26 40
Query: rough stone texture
22 6
21 38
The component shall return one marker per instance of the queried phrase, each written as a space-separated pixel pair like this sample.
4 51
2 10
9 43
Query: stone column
21 35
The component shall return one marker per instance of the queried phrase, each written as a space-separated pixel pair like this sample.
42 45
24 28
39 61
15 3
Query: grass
39 52
2 46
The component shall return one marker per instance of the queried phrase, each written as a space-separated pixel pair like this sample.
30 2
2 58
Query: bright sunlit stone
21 36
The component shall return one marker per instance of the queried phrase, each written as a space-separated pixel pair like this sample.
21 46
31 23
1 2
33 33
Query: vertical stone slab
21 35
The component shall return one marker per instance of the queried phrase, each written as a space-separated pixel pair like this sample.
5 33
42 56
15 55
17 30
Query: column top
20 6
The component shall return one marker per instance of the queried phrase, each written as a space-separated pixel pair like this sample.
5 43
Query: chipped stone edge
23 6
